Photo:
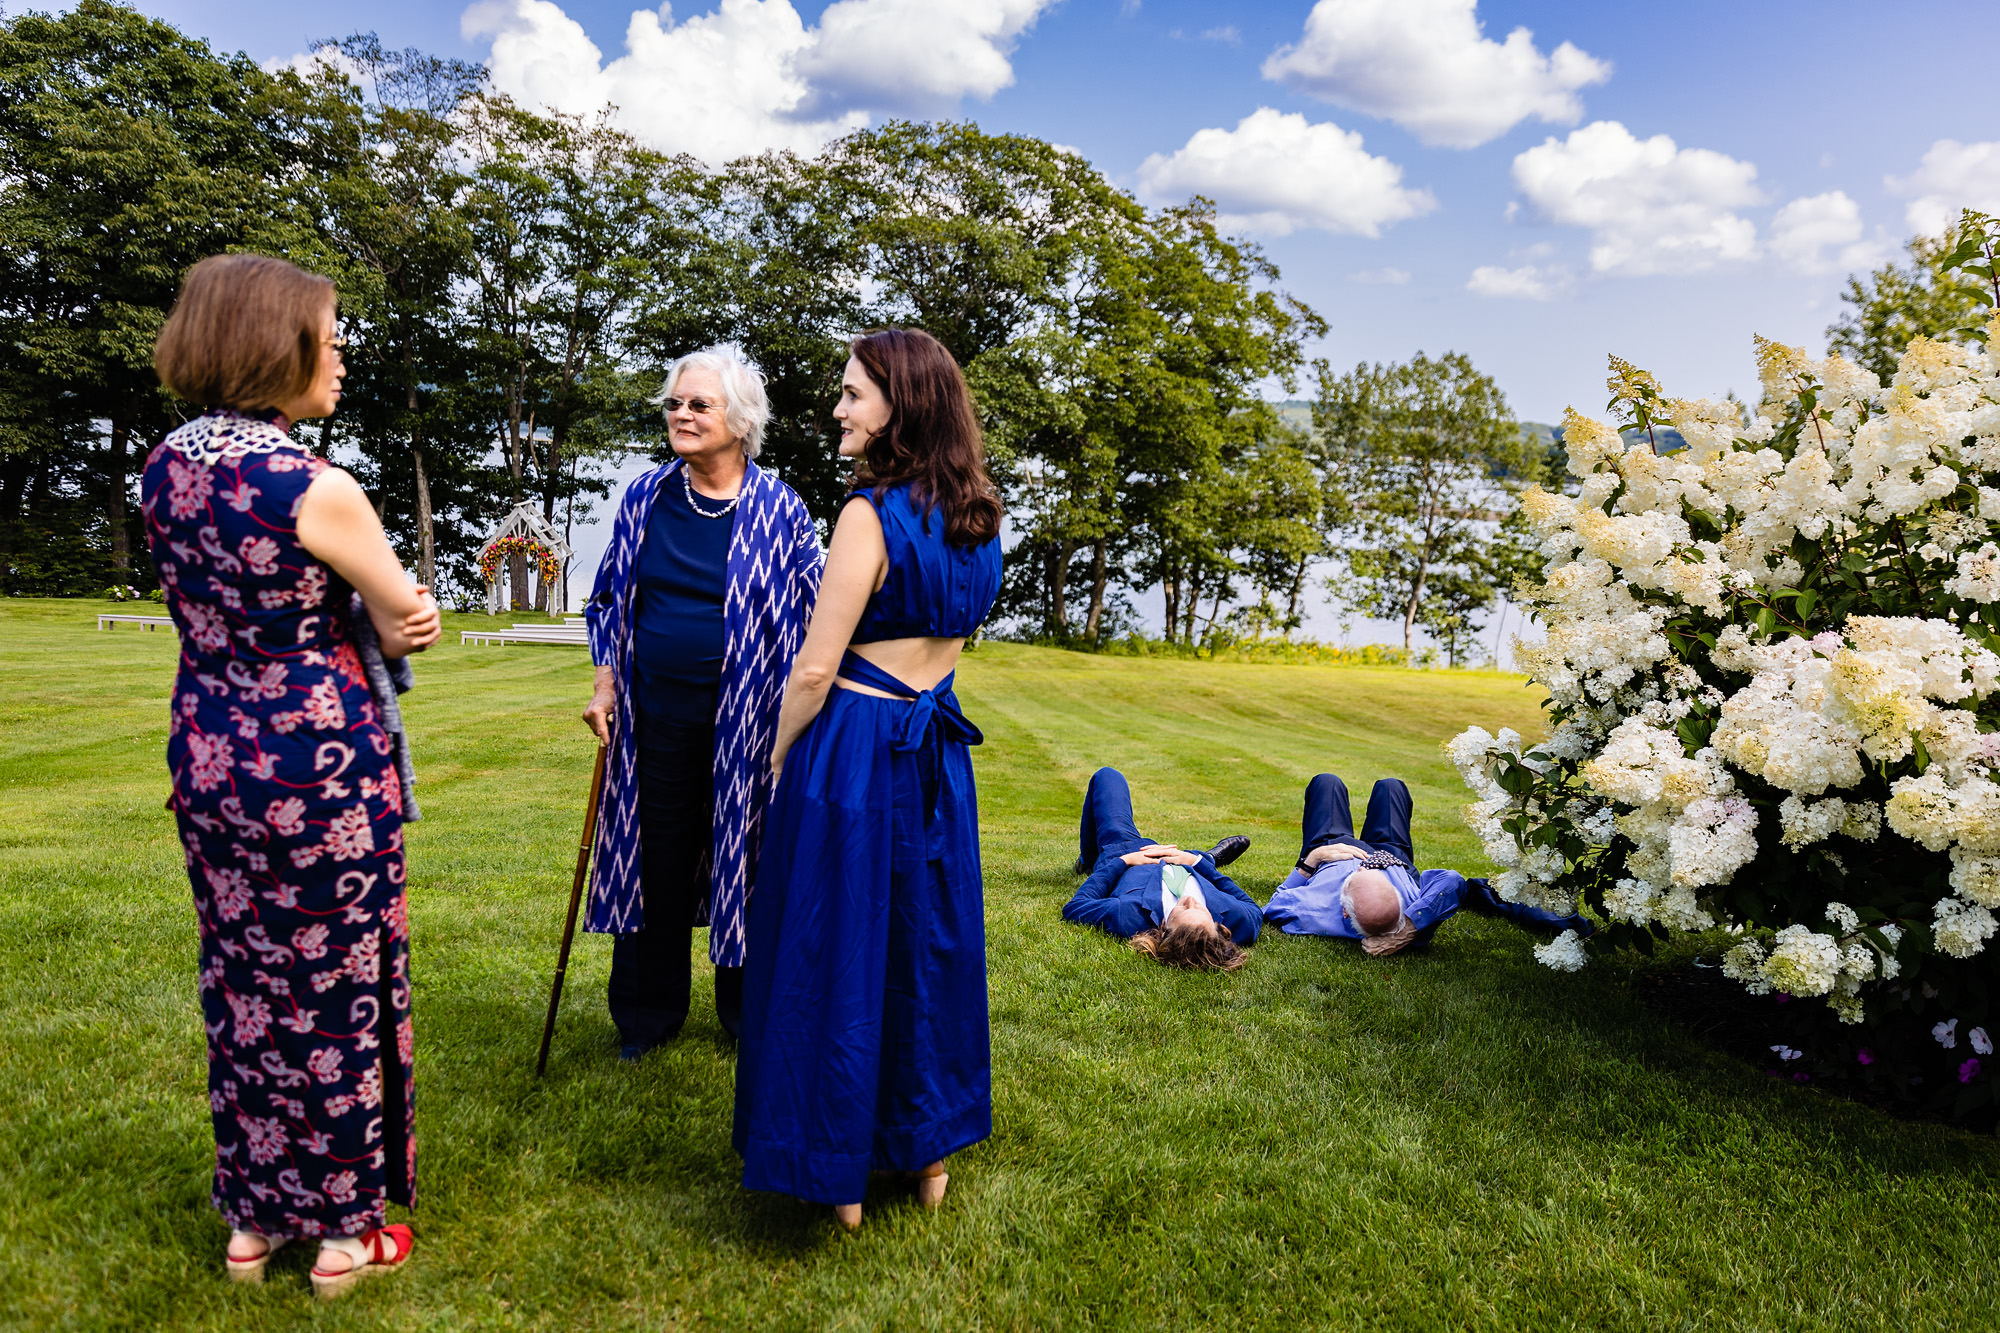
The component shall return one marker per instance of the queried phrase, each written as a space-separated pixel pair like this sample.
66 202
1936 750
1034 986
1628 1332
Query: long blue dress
864 1042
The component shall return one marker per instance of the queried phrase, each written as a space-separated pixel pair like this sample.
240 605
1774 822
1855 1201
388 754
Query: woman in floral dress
285 786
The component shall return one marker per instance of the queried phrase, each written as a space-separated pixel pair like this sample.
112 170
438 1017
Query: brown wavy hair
244 333
932 440
1197 948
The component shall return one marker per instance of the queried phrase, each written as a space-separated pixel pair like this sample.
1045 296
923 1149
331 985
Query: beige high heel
931 1182
251 1269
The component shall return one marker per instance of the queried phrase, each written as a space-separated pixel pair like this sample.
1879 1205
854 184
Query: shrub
1772 673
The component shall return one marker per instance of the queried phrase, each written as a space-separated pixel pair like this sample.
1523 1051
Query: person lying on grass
1175 906
1367 888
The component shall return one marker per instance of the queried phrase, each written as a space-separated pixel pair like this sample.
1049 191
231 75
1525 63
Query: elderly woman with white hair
698 610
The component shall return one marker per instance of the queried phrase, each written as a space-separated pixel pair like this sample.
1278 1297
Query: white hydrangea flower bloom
1564 953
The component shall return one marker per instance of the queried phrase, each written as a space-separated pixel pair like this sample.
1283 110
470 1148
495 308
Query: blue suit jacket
1126 899
1304 906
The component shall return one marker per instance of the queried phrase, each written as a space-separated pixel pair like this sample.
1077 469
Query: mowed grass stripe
1454 1139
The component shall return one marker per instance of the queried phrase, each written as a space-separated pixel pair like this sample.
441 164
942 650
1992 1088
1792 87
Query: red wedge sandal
380 1251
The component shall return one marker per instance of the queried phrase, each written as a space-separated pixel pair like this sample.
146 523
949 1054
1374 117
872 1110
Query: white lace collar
225 436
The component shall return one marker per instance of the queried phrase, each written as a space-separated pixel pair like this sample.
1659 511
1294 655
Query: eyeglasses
701 407
338 342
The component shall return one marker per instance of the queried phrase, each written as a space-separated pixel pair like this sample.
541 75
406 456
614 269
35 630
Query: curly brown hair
1197 948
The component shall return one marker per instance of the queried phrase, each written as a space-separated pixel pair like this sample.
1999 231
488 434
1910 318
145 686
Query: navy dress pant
1329 819
652 975
1107 825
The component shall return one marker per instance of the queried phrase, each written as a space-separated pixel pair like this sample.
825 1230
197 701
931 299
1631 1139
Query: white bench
108 619
572 635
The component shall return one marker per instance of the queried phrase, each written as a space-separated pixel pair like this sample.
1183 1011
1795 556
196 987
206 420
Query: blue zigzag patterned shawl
769 590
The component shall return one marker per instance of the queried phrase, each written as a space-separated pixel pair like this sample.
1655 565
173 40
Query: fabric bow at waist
934 705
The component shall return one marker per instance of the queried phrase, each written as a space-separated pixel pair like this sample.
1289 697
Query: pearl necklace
687 488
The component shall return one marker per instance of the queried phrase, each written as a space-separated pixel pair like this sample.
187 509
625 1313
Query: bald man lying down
1367 888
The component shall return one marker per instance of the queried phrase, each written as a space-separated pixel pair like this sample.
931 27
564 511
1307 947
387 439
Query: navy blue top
1125 900
679 583
934 590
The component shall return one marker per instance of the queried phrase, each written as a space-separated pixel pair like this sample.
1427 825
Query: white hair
745 409
1347 897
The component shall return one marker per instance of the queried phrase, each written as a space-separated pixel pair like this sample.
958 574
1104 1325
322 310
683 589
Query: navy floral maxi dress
289 807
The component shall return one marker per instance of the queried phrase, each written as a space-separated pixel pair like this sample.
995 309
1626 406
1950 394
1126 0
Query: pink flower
369 1092
253 1015
1969 1070
396 916
287 816
339 1187
190 485
364 960
349 837
260 553
323 708
205 626
209 760
312 586
310 941
231 889
240 495
1865 1056
266 1135
406 1041
325 1064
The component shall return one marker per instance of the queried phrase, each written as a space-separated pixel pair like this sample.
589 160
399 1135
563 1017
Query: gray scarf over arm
387 678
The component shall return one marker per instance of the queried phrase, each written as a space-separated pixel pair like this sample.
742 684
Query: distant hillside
1666 440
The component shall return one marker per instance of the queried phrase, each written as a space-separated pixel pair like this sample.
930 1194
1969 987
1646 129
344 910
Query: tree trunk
1193 607
1410 608
1097 575
517 574
121 541
13 482
1059 588
426 533
426 550
1292 602
1170 584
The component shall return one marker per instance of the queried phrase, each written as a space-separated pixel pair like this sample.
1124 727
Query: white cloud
750 75
1382 277
1952 176
1275 173
1805 230
1227 34
1651 207
1528 283
915 55
1426 65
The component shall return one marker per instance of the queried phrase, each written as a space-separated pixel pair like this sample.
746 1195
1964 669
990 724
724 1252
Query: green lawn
1454 1139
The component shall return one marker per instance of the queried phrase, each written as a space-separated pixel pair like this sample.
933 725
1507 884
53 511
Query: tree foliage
1431 458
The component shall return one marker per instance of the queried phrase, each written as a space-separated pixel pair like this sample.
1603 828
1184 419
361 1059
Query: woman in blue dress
864 1044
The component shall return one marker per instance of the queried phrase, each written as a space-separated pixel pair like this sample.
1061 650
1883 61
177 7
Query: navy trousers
1329 819
652 975
1107 824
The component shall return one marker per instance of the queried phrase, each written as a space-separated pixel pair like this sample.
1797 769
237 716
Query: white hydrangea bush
1773 684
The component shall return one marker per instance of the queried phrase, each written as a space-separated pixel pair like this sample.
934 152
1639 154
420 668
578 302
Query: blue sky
1613 241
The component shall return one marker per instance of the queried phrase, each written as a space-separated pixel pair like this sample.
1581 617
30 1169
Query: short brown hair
1196 947
244 333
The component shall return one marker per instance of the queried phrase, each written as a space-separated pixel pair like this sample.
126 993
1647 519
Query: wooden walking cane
575 898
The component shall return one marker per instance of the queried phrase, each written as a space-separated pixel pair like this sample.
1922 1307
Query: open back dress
864 1042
